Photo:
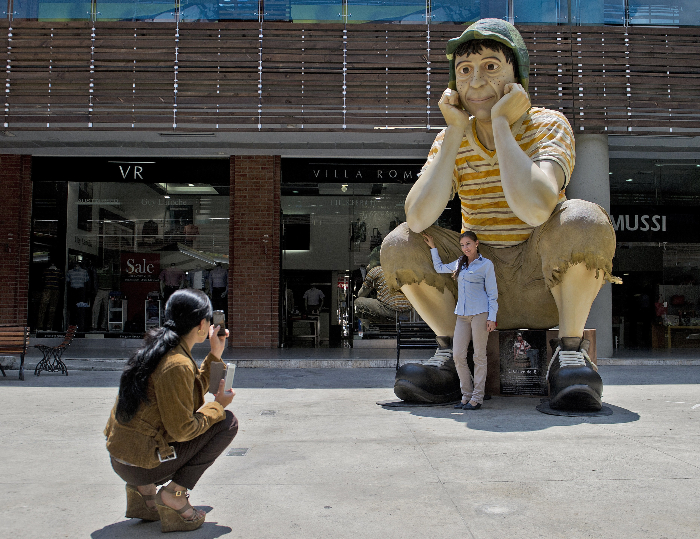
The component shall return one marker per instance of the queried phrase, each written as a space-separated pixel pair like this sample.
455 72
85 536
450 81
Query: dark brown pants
193 458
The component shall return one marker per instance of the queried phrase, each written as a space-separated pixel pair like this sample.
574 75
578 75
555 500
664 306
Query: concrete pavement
316 457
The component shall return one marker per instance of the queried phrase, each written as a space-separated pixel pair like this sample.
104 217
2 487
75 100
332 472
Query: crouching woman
161 432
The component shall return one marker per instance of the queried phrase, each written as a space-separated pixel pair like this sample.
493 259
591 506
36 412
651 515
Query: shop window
339 211
654 210
126 247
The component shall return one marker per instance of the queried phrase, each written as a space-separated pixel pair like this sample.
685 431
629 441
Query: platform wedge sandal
136 505
171 520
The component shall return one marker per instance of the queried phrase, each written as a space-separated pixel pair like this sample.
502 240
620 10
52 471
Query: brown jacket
175 411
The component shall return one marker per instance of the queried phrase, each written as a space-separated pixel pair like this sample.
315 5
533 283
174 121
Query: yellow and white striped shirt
544 135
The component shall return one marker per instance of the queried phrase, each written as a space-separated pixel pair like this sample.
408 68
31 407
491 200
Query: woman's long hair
184 310
463 261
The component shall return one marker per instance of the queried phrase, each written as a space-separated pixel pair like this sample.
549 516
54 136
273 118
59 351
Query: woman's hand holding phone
216 341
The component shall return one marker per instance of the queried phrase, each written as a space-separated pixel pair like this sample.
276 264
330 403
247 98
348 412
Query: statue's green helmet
498 30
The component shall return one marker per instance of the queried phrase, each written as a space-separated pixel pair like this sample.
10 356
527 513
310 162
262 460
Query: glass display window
654 207
335 216
120 249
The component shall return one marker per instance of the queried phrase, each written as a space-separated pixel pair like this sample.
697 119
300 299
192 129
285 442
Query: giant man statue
509 163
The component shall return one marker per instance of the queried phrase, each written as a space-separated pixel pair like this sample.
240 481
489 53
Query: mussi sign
677 224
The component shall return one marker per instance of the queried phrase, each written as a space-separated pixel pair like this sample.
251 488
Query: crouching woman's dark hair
184 311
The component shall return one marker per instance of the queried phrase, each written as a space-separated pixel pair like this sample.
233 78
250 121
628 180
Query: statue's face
481 81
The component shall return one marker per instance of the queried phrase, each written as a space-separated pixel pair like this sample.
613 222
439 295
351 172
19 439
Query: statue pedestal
523 373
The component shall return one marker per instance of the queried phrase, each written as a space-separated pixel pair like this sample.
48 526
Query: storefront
654 208
335 215
113 238
109 246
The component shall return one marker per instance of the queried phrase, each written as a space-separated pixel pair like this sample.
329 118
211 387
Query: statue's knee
583 220
579 226
402 244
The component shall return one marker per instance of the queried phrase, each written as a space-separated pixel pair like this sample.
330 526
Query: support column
254 251
15 226
591 181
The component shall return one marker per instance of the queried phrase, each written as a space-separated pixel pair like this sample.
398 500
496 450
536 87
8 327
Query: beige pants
471 328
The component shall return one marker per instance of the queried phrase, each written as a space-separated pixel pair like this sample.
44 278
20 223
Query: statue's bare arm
531 189
433 189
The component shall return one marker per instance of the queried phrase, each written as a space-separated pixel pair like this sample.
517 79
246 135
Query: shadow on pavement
514 414
129 529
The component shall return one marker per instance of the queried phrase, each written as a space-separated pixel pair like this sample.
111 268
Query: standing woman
476 313
161 430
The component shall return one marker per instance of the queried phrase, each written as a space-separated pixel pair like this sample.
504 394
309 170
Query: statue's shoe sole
580 398
409 392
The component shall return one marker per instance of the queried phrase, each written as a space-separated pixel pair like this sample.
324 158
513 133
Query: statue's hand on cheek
514 103
452 110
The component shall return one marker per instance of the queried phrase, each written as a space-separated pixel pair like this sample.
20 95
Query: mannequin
49 297
218 287
313 300
103 283
171 279
78 280
358 231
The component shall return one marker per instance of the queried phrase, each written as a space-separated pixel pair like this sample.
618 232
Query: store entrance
107 255
654 210
335 216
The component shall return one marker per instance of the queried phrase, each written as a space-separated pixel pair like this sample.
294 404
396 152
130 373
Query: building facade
257 150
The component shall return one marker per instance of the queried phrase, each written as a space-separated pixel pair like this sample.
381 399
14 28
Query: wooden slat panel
218 75
134 75
49 82
314 95
387 75
614 79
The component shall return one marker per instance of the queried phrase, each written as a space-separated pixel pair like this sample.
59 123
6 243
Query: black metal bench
14 340
413 335
52 361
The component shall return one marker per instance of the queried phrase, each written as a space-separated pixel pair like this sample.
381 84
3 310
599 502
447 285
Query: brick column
254 251
15 227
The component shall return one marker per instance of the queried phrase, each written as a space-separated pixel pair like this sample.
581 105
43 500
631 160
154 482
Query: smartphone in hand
219 319
221 371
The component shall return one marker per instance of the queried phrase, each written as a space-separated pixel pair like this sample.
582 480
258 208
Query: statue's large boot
432 381
574 382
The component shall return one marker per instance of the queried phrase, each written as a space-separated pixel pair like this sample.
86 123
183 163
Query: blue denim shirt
476 285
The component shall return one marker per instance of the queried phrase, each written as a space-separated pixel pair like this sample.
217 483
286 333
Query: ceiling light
629 179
